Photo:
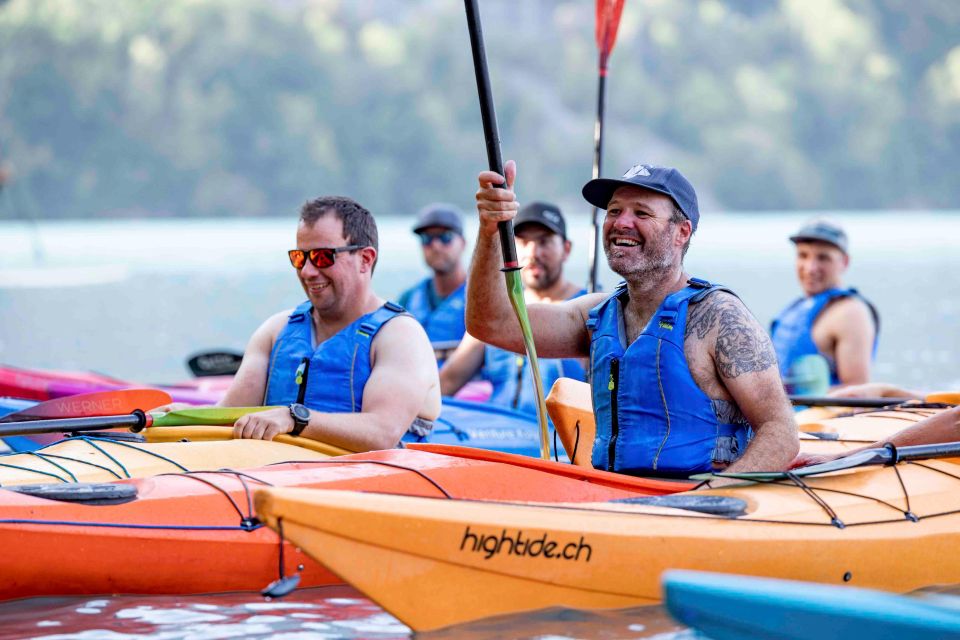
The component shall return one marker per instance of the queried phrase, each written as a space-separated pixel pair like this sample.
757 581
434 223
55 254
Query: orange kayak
196 532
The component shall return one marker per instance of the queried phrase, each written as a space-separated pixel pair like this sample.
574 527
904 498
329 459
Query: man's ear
567 247
368 257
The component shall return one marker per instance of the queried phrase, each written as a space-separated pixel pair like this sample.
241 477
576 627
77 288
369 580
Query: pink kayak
36 384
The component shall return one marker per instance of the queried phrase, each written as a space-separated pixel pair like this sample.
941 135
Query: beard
640 263
543 280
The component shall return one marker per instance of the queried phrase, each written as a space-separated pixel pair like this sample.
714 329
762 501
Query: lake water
134 299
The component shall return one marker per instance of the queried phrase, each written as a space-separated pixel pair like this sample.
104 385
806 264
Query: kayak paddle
859 403
511 268
135 421
886 455
214 363
99 403
608 21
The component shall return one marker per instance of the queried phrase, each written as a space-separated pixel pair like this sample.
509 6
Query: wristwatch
301 416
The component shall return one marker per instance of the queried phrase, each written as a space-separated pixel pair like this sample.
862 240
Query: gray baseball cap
439 214
822 230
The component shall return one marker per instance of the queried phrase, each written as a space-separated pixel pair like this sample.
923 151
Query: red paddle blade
608 21
100 403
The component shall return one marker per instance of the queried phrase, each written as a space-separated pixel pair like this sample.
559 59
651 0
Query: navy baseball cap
665 180
542 213
439 215
822 230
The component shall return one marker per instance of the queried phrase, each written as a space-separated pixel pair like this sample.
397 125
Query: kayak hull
485 559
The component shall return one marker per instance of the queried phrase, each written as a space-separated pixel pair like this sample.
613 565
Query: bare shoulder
266 334
739 343
584 303
403 333
846 311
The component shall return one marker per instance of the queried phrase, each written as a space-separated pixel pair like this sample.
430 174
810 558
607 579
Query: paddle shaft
508 245
597 167
135 421
860 403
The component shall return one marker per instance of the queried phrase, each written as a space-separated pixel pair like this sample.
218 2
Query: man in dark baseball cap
684 378
542 249
438 300
831 327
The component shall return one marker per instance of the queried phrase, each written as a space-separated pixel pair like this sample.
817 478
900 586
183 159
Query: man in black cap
684 379
438 301
542 249
830 321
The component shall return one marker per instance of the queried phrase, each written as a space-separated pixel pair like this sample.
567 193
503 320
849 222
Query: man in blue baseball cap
684 378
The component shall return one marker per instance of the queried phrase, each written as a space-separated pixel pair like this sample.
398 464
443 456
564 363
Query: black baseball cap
439 214
542 213
665 180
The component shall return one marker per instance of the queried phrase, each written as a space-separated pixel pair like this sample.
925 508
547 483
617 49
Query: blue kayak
16 443
728 607
485 426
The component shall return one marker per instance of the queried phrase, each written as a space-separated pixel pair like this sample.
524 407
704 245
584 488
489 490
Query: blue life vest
652 417
444 323
330 377
512 378
792 330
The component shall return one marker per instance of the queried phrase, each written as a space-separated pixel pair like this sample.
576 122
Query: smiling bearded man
684 378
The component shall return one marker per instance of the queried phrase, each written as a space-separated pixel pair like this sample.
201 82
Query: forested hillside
248 107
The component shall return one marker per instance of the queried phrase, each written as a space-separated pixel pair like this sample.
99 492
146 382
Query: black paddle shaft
491 135
857 403
135 421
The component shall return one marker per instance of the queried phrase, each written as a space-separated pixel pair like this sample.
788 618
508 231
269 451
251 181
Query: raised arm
746 367
403 385
559 329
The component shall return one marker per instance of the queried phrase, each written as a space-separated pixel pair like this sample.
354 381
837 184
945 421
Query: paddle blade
100 403
608 22
515 291
215 363
203 416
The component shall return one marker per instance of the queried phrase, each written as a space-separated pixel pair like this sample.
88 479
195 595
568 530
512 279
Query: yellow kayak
439 562
100 459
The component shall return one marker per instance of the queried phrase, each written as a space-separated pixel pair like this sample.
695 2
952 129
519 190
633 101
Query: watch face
300 412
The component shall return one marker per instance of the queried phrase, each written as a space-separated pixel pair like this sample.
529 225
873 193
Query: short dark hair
359 227
677 217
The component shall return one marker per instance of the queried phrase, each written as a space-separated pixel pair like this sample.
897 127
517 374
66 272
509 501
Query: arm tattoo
742 346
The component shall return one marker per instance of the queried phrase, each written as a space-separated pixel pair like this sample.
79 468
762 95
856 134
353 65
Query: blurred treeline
248 107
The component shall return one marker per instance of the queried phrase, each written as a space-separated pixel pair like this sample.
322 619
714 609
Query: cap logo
552 216
637 170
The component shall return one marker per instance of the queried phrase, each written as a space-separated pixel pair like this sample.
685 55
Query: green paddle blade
808 376
204 416
515 292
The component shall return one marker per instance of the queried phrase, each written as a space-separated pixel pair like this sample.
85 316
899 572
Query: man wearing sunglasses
684 378
543 249
345 366
438 301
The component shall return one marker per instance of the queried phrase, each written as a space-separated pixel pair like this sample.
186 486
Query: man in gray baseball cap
683 377
830 324
438 300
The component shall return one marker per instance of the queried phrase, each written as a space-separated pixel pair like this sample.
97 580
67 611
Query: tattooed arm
745 366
